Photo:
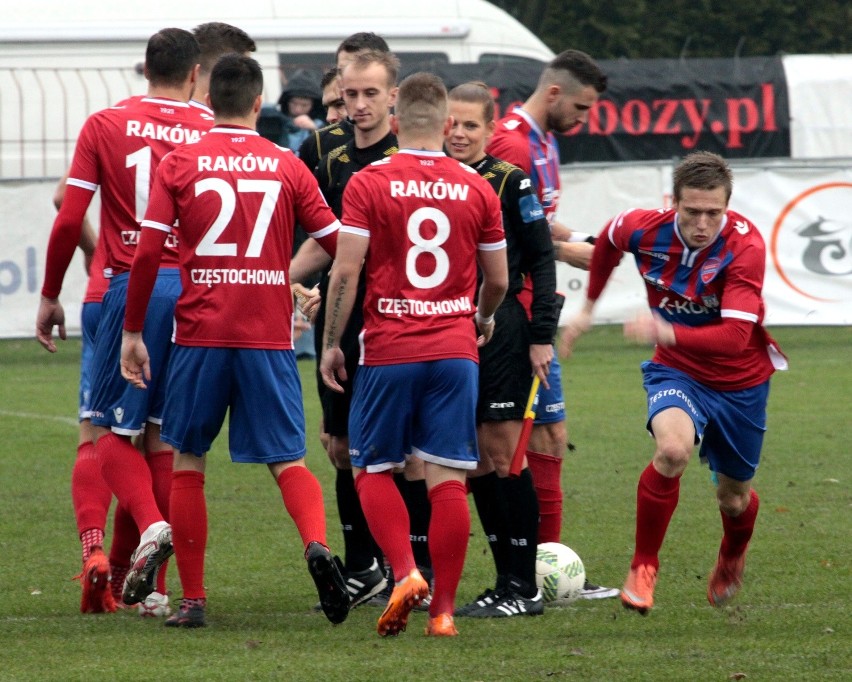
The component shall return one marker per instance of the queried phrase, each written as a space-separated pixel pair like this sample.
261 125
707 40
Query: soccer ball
156 605
559 572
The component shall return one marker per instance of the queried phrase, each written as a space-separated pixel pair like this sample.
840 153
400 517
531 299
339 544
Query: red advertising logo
811 244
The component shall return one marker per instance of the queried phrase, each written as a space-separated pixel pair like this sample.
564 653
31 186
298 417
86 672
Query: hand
576 327
135 362
649 330
332 366
308 300
541 355
486 330
50 313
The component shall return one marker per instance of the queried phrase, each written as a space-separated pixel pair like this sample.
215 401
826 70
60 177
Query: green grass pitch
790 622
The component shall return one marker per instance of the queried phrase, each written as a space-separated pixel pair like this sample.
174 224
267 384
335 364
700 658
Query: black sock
523 529
420 513
358 543
491 507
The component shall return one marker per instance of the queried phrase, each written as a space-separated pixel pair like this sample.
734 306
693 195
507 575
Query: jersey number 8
427 245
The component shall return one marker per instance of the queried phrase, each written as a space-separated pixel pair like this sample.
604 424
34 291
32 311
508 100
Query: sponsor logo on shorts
119 414
555 407
501 406
672 392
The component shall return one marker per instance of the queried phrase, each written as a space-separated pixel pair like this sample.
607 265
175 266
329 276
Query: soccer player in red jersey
420 221
235 198
566 91
708 382
117 150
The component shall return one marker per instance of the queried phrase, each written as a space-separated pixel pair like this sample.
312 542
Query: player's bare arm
576 254
575 328
495 282
342 288
649 330
310 259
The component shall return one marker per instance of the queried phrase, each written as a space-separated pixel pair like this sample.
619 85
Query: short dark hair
235 83
421 105
328 77
578 66
386 59
363 40
702 170
475 92
170 56
217 38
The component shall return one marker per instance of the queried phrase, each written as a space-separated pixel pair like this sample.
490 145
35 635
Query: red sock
388 519
449 530
738 529
302 496
189 530
127 475
656 499
91 538
546 471
90 494
125 537
160 464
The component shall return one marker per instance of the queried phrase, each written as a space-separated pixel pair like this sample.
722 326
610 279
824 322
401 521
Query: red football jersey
237 197
426 215
518 140
118 150
696 287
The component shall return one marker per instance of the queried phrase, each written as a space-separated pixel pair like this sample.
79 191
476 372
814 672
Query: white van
60 61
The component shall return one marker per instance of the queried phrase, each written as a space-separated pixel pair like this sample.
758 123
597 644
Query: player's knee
672 456
551 439
732 503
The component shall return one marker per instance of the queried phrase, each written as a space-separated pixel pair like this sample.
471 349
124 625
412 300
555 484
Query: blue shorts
261 388
115 403
89 319
551 403
426 409
728 424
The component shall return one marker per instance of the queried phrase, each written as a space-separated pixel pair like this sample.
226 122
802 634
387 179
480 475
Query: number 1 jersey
118 150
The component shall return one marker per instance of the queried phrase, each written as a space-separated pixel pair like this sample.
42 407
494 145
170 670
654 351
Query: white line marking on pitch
29 415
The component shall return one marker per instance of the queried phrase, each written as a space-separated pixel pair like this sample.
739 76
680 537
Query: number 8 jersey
426 216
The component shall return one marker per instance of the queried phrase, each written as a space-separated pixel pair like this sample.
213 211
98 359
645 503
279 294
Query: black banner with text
657 109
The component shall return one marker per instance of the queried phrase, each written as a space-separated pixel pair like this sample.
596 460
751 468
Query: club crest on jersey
710 269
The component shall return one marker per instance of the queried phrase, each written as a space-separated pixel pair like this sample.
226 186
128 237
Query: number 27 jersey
426 216
237 197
